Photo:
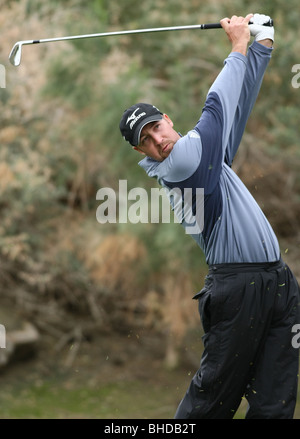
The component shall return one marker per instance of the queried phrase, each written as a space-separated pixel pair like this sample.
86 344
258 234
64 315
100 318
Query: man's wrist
240 47
266 42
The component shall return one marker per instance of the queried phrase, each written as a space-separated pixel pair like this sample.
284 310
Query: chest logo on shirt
194 135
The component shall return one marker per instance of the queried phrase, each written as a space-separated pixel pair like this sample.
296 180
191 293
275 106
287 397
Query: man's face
157 139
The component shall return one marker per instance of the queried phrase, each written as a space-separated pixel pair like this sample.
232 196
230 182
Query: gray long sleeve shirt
234 228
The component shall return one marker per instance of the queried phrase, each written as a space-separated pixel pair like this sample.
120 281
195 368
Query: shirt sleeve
200 154
258 59
227 90
216 121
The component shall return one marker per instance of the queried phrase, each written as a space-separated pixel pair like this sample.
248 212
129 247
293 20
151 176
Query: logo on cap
134 118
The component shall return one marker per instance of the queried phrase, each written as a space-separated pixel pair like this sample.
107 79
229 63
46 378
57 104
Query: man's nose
157 138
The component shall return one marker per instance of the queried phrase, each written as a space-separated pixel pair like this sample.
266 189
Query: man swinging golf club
250 300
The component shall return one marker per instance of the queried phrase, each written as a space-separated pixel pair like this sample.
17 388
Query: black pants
247 312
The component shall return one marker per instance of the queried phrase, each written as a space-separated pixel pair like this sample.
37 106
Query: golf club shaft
15 54
125 32
134 31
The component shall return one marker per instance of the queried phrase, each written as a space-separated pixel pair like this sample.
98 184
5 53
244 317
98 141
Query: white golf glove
259 31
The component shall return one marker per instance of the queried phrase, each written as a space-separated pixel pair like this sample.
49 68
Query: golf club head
15 54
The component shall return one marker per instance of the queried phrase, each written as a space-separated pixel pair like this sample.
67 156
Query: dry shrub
158 301
172 312
115 262
115 266
7 177
275 185
10 134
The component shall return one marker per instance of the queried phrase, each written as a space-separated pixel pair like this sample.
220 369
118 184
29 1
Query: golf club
16 52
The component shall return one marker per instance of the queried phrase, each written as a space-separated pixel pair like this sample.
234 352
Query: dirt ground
120 376
115 377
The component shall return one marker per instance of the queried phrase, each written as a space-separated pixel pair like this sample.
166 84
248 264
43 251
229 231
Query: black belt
245 267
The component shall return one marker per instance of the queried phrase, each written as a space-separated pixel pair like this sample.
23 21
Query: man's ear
137 149
166 117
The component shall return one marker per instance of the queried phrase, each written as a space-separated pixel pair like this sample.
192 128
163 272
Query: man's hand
262 34
238 32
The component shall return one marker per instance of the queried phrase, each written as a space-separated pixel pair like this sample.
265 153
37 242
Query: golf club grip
211 26
218 25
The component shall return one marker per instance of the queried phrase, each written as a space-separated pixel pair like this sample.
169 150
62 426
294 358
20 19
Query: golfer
250 300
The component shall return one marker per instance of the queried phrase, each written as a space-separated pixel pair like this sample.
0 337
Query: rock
17 344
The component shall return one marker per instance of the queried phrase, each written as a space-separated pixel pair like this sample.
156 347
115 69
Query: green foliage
60 143
68 145
69 81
